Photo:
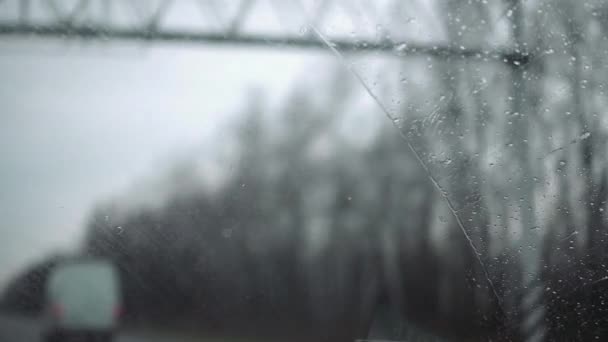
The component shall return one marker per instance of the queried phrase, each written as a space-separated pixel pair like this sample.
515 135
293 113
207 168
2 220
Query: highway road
24 329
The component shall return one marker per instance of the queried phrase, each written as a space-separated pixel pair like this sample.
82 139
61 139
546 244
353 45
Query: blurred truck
83 301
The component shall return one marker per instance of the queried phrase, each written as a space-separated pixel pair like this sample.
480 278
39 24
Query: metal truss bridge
216 22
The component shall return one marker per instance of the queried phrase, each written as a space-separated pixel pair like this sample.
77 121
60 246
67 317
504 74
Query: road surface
24 329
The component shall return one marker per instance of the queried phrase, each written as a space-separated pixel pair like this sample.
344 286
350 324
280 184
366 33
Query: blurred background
322 170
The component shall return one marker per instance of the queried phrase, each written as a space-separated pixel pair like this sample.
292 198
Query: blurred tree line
305 235
311 230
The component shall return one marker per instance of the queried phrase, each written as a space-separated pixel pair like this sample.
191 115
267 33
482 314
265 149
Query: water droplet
401 48
585 135
562 163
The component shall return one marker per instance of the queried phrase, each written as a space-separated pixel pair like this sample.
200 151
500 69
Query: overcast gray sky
80 124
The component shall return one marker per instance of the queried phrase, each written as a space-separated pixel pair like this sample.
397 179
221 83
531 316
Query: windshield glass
315 170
